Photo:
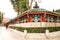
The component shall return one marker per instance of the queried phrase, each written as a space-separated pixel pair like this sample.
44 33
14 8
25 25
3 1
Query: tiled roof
36 10
39 10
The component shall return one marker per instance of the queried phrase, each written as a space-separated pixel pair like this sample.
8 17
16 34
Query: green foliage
37 29
19 5
1 17
57 11
23 5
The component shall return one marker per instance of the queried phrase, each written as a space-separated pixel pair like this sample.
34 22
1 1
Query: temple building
37 17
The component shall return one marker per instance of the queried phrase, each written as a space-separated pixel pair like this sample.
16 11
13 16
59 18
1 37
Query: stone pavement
11 34
8 34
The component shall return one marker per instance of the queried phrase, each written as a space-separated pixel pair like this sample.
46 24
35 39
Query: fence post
25 33
47 33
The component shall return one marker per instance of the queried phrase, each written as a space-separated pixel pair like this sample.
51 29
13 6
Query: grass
36 29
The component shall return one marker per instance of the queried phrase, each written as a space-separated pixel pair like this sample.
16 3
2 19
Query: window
36 19
58 19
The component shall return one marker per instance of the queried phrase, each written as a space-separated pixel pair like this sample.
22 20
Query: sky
49 4
7 8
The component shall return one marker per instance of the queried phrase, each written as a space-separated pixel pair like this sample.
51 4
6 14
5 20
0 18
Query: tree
1 17
58 11
20 5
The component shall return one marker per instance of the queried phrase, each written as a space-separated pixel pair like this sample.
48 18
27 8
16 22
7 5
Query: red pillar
43 18
29 19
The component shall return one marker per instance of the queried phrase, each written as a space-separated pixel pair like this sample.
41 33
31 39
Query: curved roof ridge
38 10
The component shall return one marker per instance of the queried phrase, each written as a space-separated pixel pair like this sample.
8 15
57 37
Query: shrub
36 29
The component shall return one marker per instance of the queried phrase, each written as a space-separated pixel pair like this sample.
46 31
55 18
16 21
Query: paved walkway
11 34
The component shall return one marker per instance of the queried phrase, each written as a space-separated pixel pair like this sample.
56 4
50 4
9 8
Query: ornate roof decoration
36 5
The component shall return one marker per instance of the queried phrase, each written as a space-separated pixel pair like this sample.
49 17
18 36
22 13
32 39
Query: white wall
37 24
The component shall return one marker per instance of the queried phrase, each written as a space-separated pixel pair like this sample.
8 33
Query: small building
37 17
